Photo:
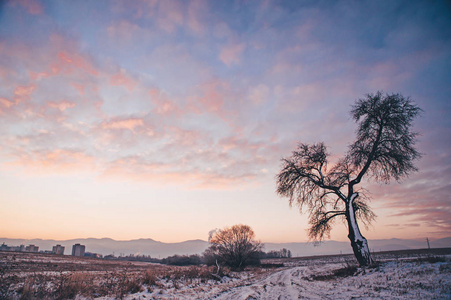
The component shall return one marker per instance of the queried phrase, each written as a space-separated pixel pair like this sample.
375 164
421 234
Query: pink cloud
33 7
54 161
61 105
122 30
64 63
259 94
80 88
120 78
139 170
232 53
423 197
164 106
6 103
129 124
170 15
244 145
197 9
221 182
67 62
23 93
212 98
183 137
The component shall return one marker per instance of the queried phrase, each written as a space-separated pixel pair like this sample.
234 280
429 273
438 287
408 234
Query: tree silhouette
383 150
233 246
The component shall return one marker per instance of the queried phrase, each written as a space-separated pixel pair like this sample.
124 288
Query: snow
399 275
391 280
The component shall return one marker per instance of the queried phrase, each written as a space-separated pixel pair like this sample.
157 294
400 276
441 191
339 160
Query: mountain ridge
158 249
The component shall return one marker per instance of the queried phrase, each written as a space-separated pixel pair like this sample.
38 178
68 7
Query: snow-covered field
397 276
390 280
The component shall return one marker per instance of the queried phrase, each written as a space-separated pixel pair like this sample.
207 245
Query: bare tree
383 150
233 246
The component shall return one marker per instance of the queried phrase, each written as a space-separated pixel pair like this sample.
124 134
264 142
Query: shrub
128 283
346 271
149 278
71 285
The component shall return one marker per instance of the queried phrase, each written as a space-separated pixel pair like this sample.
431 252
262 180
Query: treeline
283 253
189 260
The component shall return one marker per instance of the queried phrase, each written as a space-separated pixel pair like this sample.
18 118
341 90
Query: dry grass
345 271
35 276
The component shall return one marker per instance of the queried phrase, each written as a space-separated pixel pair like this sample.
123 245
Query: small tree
384 150
233 246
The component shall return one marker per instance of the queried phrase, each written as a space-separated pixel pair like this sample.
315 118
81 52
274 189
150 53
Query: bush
71 285
346 271
150 278
128 283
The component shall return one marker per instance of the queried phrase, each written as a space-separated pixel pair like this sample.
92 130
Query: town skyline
168 119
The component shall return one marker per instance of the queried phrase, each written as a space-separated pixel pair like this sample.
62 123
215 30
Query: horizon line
189 240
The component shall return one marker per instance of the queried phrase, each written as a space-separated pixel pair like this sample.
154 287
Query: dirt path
400 280
285 284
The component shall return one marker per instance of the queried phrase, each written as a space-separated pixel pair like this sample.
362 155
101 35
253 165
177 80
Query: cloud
170 15
164 105
65 63
33 7
182 172
123 30
6 103
61 105
197 10
423 196
80 88
23 93
231 54
259 94
122 79
205 92
55 161
130 124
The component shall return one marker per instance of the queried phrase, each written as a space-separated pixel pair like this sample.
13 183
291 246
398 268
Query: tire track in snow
284 284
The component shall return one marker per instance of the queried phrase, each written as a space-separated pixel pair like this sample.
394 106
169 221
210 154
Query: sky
167 119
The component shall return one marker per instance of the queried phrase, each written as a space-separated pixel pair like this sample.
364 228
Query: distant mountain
335 247
158 249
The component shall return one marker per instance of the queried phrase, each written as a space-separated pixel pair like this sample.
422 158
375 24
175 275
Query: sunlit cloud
33 7
197 10
123 30
195 95
61 105
170 15
56 161
122 79
129 124
231 54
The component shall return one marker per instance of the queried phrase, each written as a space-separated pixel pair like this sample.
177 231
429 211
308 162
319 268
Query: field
413 274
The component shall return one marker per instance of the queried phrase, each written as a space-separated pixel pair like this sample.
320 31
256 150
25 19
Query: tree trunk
358 242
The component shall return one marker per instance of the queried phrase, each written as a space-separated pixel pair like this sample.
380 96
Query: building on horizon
21 248
78 250
32 248
58 249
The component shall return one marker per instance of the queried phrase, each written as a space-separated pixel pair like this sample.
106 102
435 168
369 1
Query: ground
418 274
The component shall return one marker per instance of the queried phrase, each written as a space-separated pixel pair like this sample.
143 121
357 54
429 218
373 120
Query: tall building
58 249
78 250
